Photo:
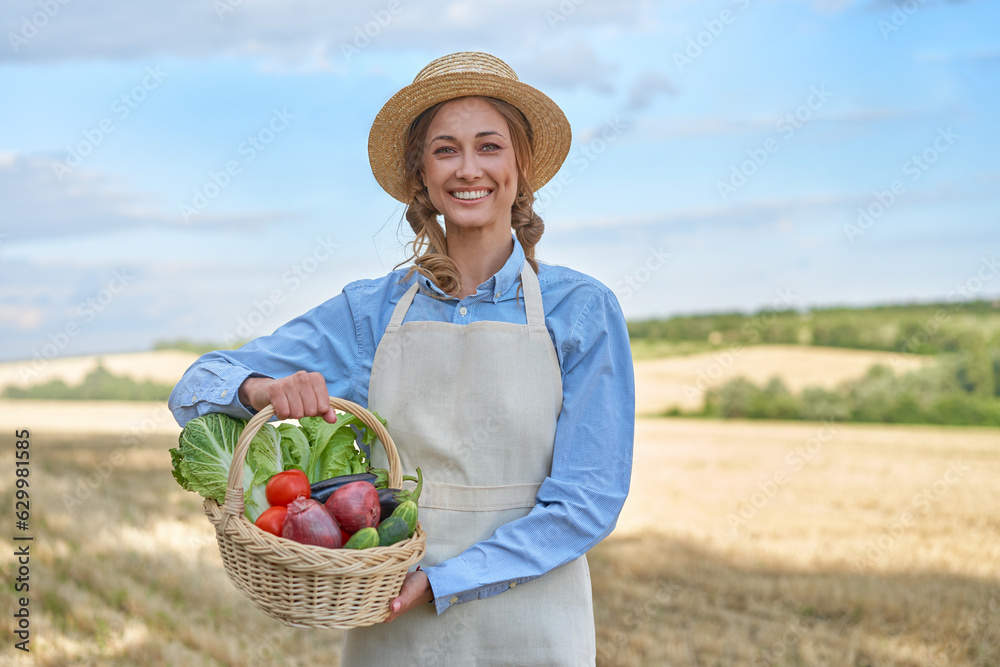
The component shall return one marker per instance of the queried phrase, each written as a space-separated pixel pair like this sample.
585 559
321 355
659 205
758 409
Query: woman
507 381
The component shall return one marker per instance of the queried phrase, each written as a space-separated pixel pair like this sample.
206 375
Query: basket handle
234 488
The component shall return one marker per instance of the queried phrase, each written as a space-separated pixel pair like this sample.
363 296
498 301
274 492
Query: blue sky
198 168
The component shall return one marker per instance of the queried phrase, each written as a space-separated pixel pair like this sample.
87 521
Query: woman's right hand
298 395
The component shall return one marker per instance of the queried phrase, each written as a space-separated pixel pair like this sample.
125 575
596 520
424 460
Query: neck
479 253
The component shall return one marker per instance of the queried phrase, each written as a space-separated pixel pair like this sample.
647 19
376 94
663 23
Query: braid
430 247
527 226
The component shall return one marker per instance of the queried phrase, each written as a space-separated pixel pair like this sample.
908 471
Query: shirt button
223 394
453 600
498 294
194 397
513 583
462 311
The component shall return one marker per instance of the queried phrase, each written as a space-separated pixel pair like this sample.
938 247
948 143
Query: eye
490 147
443 149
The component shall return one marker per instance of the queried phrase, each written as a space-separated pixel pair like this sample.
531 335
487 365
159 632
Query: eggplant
390 499
387 499
325 488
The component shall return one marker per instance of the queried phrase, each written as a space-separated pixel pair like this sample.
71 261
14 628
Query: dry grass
804 544
819 571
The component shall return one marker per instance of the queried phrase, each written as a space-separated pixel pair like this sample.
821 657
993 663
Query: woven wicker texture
303 585
461 75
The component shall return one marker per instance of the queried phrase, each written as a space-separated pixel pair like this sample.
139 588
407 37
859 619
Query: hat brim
550 130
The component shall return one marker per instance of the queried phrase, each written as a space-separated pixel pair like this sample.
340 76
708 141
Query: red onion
308 522
355 506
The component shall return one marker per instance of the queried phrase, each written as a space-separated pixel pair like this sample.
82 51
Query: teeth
473 194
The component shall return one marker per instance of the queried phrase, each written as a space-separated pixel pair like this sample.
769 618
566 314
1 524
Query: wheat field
741 544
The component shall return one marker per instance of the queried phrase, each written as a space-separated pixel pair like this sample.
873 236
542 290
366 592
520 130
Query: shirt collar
498 284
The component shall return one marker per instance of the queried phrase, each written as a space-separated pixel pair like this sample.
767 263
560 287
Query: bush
941 394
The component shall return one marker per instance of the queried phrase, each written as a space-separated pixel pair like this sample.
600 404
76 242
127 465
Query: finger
279 402
294 398
310 406
283 394
320 394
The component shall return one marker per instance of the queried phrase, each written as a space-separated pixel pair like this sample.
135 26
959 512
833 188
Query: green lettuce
204 455
332 449
294 446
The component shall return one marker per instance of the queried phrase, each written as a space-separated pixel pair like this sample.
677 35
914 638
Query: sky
198 168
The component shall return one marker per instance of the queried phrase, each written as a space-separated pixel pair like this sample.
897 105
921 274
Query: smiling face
469 166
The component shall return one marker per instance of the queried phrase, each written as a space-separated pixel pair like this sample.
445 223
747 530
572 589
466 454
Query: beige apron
475 406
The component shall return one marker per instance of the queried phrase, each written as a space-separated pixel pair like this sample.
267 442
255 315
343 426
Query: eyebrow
479 135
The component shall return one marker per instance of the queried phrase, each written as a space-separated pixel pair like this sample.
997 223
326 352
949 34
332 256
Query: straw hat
460 75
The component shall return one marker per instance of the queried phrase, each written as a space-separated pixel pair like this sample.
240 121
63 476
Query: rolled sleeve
323 340
211 385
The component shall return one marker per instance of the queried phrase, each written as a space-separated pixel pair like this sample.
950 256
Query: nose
468 167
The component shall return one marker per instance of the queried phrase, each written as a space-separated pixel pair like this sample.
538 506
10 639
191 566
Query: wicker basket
303 585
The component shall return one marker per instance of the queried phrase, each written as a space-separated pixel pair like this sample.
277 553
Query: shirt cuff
220 393
453 582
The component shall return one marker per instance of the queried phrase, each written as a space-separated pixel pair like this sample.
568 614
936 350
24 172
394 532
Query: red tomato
272 519
344 536
285 487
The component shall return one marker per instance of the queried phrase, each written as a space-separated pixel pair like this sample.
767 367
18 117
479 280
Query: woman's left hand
416 591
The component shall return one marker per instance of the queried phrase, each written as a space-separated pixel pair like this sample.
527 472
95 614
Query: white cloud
43 200
293 30
662 129
779 211
571 65
650 84
25 319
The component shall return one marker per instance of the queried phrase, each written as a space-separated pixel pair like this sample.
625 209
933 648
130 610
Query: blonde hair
429 248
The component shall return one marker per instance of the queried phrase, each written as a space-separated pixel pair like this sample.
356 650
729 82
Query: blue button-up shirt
576 506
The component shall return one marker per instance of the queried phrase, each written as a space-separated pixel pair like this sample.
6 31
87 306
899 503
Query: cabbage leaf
294 446
204 455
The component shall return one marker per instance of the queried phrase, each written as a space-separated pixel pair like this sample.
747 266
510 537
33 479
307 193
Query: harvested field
741 544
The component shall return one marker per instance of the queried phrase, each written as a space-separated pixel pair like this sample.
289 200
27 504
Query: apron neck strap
532 296
532 300
404 304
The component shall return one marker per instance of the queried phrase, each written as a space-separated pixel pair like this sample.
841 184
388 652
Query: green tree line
99 385
912 329
961 389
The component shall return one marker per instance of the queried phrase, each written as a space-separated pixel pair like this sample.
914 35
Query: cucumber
392 530
407 511
363 539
